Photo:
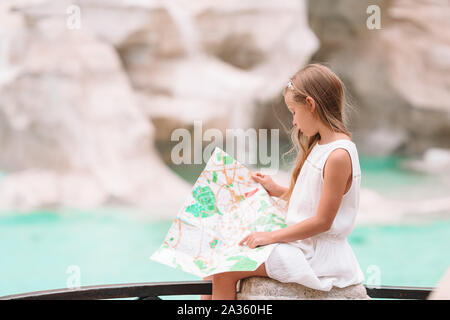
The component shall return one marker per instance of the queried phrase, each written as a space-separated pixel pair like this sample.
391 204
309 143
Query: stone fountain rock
397 75
80 107
72 133
262 288
209 60
234 55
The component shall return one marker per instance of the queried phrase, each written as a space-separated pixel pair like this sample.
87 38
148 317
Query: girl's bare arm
338 170
278 191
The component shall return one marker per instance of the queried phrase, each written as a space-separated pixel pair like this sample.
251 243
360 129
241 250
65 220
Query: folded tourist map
225 205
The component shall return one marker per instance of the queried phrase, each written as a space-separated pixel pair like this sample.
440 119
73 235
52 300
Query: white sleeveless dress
325 260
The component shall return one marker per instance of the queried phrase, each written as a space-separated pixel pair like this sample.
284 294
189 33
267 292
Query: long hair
323 85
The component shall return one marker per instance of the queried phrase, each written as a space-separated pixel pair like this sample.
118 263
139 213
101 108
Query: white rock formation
434 161
69 113
419 52
75 104
375 208
237 53
398 75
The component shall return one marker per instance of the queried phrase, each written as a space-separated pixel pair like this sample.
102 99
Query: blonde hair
323 85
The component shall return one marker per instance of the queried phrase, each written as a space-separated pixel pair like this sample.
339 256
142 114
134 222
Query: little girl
323 195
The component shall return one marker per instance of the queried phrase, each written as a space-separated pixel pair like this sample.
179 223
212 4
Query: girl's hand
267 182
256 239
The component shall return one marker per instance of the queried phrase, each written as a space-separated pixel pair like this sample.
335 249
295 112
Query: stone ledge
262 288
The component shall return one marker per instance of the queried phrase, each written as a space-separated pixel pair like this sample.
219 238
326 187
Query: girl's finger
257 179
243 240
246 240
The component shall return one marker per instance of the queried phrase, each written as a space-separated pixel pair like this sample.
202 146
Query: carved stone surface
411 54
262 288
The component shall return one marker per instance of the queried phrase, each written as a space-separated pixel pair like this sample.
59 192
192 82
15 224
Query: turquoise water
37 249
111 246
107 246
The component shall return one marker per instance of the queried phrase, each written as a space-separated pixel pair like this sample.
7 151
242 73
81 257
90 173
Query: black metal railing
152 291
391 292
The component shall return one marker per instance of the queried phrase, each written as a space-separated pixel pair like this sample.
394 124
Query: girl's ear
311 104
